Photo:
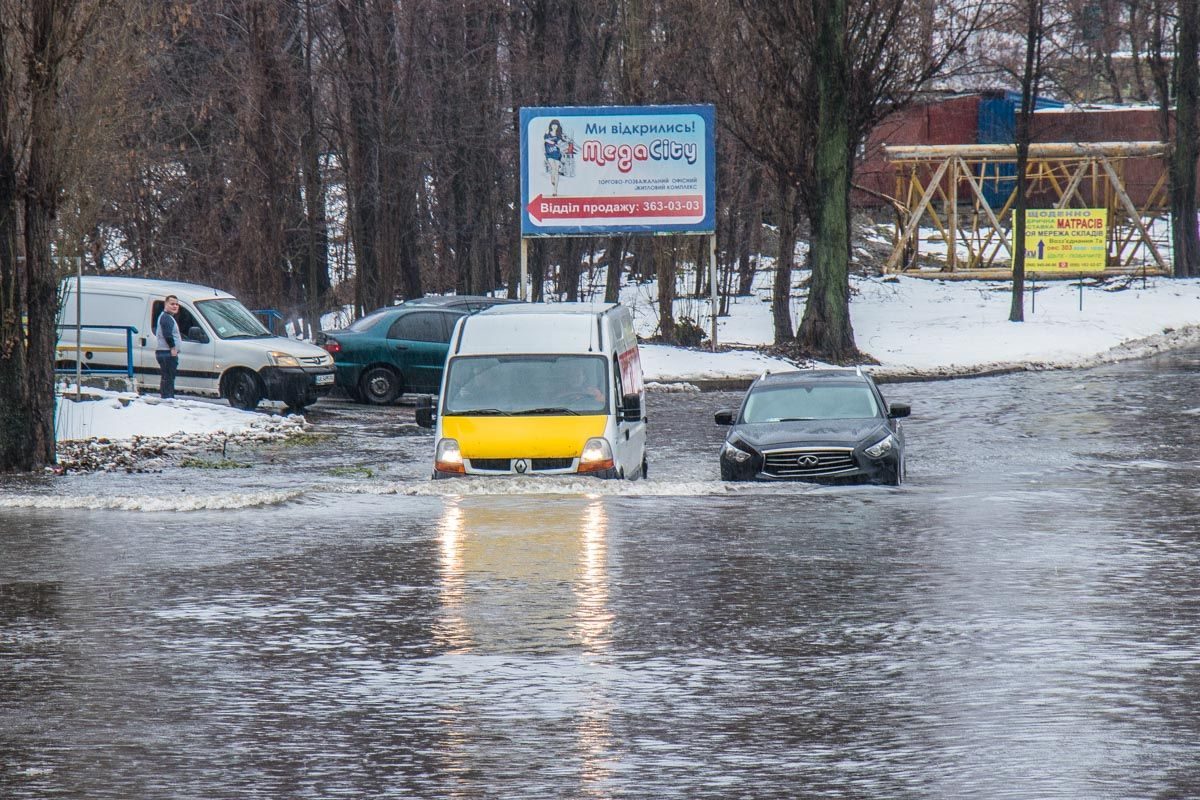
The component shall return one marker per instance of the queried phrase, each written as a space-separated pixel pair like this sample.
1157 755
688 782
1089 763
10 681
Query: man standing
167 352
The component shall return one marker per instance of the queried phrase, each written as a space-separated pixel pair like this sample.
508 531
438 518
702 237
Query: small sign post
1067 241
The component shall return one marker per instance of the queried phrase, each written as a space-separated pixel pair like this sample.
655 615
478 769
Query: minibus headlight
280 359
597 455
448 457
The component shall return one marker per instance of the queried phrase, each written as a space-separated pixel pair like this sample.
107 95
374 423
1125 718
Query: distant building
990 118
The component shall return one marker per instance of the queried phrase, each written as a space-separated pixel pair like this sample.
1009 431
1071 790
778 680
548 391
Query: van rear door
631 433
103 348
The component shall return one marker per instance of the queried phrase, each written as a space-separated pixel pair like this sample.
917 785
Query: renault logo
807 461
520 466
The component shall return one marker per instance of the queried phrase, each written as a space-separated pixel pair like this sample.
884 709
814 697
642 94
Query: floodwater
1019 620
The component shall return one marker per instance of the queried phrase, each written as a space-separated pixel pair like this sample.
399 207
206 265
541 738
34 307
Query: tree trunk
825 330
15 419
1029 89
569 269
616 262
781 291
664 272
751 230
42 187
316 230
1184 234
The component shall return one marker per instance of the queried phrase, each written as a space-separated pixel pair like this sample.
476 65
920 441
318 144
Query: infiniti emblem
807 461
520 466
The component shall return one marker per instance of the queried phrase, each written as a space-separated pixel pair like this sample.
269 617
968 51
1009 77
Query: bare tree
41 46
1186 150
1035 30
802 80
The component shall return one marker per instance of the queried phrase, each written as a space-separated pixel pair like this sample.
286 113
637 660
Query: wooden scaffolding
967 193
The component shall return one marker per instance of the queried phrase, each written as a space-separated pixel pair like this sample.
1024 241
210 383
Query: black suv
824 426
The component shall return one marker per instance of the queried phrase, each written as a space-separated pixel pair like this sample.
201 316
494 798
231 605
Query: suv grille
810 462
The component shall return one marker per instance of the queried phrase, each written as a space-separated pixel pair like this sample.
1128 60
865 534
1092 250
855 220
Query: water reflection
526 574
521 584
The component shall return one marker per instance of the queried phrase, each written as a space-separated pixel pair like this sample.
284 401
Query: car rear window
363 323
421 326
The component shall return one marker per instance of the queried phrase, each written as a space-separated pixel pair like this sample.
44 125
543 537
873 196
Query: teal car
399 349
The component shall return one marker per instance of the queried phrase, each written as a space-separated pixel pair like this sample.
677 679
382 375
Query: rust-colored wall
1108 125
952 121
955 121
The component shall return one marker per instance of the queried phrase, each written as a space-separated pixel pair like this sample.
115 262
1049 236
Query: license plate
324 379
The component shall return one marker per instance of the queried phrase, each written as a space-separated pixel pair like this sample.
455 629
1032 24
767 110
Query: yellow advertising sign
1066 239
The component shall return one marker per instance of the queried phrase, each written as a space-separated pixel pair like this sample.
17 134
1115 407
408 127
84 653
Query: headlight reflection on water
523 573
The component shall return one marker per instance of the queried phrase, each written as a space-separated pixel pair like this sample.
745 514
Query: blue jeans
168 365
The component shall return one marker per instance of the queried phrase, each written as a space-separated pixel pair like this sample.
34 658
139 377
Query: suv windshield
810 401
230 319
526 385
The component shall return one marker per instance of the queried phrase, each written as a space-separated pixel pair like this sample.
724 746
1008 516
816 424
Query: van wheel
241 390
379 386
296 405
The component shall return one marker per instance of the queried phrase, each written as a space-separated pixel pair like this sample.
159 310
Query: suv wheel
379 386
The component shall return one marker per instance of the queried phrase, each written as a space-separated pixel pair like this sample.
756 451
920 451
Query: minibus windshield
230 319
526 385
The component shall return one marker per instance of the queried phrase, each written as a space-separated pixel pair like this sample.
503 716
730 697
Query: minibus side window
619 395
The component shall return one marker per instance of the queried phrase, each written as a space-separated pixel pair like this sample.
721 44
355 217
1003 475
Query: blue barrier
66 347
270 316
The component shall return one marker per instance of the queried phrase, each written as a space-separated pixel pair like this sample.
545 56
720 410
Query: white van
533 389
226 352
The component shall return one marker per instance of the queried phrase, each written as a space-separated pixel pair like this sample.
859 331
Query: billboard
618 169
1066 239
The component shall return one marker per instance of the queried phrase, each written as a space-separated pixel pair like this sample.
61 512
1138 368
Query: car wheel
242 391
379 386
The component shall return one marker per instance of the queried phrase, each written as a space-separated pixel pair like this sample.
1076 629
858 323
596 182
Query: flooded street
1019 620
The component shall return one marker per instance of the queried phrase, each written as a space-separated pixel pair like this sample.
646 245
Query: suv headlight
881 448
735 453
280 359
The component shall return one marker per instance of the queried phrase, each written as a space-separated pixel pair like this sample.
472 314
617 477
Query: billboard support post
522 294
713 304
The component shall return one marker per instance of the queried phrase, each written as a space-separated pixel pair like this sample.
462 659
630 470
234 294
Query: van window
423 326
185 319
230 319
105 309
